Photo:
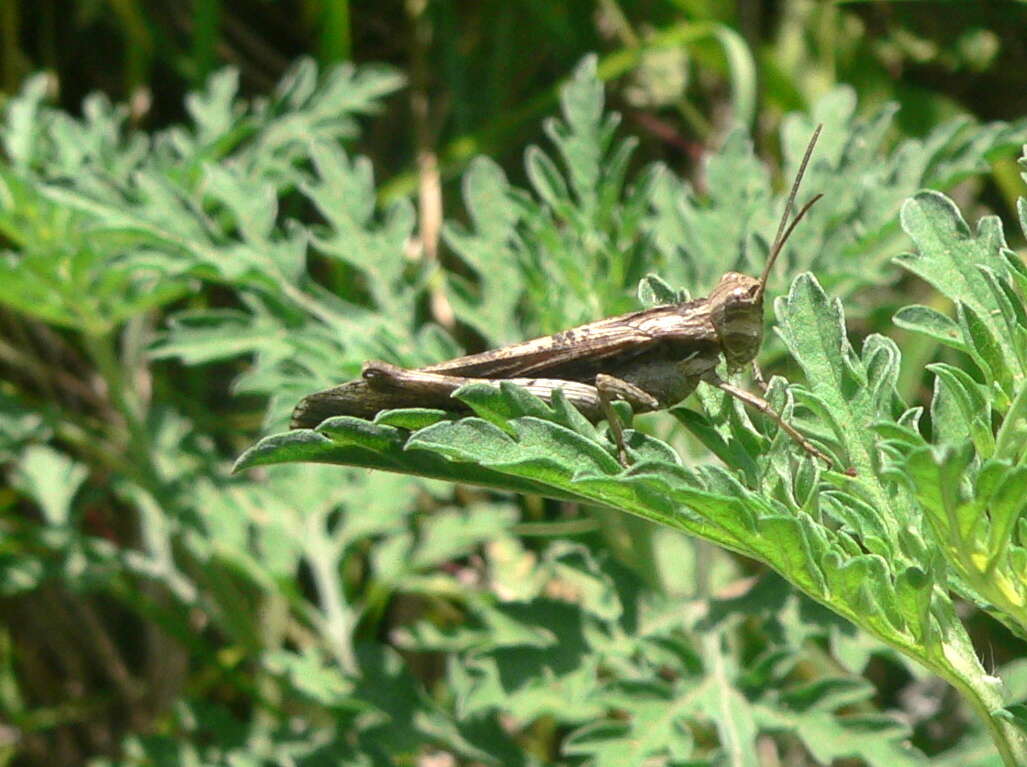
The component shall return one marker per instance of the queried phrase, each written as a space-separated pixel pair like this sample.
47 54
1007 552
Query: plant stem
338 620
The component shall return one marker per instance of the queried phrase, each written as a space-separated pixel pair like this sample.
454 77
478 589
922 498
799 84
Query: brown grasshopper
650 359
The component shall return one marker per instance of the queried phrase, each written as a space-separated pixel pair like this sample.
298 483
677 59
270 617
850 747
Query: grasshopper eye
745 293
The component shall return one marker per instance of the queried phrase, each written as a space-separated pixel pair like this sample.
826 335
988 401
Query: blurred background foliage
485 96
180 269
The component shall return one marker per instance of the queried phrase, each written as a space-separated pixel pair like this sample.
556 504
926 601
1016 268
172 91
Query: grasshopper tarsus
650 359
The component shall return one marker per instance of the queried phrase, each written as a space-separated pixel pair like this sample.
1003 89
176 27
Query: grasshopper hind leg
594 401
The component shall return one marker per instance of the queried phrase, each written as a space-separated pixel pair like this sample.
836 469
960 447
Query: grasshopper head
736 304
736 309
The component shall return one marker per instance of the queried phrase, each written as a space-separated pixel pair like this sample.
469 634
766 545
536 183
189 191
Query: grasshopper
650 359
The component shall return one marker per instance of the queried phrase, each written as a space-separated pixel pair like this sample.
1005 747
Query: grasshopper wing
577 353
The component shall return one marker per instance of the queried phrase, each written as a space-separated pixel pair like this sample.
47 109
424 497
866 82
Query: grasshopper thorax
736 311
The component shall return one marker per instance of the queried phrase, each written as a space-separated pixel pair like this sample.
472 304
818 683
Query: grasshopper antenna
784 229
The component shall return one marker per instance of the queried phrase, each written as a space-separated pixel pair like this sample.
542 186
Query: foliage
866 542
309 614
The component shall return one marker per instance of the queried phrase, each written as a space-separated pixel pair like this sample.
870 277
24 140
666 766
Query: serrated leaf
1007 504
545 178
949 256
653 291
812 328
731 453
21 129
827 694
985 346
536 449
383 449
960 410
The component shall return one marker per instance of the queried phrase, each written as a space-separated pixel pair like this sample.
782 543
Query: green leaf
913 600
931 323
653 291
253 204
498 403
731 452
743 74
586 133
986 348
51 479
412 418
212 109
939 476
698 240
812 328
21 134
204 336
489 302
950 257
1007 505
546 179
454 533
537 449
961 409
357 443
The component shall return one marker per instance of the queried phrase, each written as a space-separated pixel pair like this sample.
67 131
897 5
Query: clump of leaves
885 543
303 608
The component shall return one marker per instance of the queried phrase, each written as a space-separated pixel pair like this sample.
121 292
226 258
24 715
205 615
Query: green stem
140 463
338 620
335 31
138 42
206 24
983 693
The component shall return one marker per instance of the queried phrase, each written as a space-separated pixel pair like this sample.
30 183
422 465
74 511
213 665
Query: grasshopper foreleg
755 401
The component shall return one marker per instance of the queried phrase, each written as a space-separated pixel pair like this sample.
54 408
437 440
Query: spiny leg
764 407
594 402
439 387
611 388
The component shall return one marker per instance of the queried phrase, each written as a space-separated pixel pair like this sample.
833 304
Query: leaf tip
280 448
